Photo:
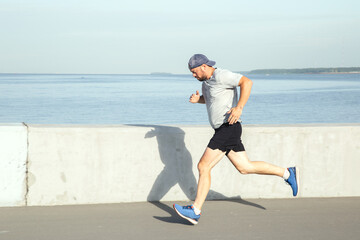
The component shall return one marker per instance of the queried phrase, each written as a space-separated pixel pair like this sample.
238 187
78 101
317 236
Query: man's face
198 73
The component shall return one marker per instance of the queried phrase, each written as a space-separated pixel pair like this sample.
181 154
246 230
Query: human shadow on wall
178 169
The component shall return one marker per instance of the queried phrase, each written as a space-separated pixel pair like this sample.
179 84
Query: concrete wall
13 154
107 164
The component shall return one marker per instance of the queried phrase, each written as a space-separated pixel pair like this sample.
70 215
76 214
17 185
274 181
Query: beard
201 79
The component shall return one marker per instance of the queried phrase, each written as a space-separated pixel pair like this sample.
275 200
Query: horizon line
168 73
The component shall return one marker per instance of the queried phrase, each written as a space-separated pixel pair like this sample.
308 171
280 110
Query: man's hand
235 114
194 98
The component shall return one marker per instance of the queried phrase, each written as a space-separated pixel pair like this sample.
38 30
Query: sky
140 37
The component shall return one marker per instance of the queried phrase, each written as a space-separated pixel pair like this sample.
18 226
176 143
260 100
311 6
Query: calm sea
163 99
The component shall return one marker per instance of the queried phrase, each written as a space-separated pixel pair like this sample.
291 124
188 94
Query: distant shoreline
325 73
337 73
339 70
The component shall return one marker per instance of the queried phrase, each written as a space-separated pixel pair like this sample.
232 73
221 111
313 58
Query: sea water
164 99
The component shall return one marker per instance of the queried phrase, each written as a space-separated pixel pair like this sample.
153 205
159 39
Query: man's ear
203 67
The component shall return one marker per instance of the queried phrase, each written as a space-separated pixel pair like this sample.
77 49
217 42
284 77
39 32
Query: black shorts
227 137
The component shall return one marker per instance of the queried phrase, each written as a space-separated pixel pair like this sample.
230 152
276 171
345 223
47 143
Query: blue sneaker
293 180
187 212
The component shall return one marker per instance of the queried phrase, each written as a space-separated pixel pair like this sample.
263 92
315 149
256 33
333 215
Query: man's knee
203 167
245 169
209 159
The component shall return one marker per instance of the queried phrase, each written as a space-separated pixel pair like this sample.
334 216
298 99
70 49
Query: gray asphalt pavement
294 219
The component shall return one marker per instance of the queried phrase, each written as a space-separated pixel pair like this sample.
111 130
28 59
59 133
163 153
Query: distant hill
307 70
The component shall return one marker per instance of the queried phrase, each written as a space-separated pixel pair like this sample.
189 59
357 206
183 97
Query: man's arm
196 98
245 85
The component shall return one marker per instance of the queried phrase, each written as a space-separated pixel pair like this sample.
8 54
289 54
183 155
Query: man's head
201 67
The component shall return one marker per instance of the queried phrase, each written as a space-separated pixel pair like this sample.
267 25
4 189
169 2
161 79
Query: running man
219 93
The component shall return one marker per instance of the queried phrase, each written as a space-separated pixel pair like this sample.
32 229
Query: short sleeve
230 79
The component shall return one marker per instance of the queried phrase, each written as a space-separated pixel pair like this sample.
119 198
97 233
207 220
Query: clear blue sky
144 36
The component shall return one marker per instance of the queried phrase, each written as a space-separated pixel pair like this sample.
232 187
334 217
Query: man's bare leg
245 166
242 163
209 159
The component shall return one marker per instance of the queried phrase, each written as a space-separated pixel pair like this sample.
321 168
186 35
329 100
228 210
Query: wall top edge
12 125
306 125
172 125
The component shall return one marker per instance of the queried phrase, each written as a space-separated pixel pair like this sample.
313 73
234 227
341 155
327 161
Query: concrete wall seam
27 165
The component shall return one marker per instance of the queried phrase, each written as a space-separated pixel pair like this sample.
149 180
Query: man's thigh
211 157
239 159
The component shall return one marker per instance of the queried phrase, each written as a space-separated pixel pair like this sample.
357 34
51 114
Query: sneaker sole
187 218
297 180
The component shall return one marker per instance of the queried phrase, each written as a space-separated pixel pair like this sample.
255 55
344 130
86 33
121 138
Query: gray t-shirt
220 94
